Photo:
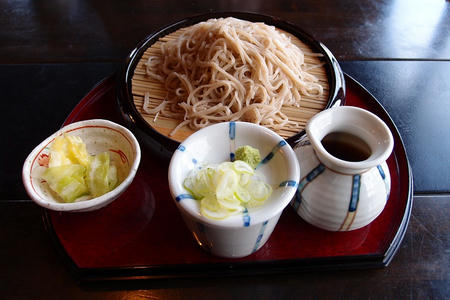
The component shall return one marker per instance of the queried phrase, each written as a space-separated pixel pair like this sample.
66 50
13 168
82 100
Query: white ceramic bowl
243 234
99 136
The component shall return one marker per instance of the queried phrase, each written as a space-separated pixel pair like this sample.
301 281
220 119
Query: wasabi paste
248 154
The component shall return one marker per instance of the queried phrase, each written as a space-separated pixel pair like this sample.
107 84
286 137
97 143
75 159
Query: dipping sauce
346 146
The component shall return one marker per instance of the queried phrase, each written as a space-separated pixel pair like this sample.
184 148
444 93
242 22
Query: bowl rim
91 203
235 221
137 123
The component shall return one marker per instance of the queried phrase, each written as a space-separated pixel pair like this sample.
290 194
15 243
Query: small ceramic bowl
242 234
99 136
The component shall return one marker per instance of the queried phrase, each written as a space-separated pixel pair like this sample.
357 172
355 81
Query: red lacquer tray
141 234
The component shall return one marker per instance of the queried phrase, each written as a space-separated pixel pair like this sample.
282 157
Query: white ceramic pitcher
348 189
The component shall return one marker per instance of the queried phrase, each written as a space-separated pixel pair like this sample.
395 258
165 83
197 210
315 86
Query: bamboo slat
141 83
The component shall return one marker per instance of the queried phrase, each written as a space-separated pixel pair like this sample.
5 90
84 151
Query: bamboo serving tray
142 83
134 82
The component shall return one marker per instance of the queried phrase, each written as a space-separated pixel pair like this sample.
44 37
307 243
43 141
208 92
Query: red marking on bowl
43 160
122 155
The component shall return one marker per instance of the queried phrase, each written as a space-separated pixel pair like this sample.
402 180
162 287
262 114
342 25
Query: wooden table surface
53 52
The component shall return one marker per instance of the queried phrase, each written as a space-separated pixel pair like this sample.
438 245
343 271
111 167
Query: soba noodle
229 69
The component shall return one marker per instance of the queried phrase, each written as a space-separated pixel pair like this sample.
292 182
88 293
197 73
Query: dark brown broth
346 146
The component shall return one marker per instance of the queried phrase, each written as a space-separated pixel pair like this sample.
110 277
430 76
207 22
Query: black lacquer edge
67 260
207 270
155 140
396 241
97 89
392 250
224 270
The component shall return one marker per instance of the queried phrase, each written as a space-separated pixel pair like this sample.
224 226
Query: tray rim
215 270
138 124
225 269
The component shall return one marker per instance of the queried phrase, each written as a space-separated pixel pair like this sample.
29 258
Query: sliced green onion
226 189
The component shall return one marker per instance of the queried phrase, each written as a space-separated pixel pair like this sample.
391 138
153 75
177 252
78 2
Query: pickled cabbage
101 176
68 149
226 189
67 181
73 173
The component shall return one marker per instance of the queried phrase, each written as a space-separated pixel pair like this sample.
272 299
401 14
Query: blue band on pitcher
304 182
353 206
385 180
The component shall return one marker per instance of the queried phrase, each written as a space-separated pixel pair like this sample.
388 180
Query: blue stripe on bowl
273 152
260 235
232 136
246 218
184 196
182 148
232 156
292 183
232 130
